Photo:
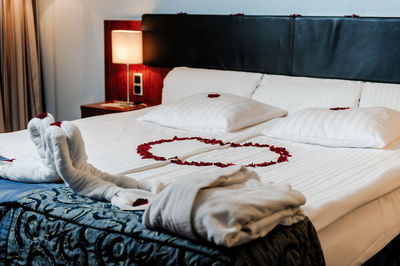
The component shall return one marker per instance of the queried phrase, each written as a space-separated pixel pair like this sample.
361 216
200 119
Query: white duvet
335 181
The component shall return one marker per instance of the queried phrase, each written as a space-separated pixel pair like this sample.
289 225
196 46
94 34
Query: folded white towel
27 170
36 128
66 150
75 146
228 206
63 157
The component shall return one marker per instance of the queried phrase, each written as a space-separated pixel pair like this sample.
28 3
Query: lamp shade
126 47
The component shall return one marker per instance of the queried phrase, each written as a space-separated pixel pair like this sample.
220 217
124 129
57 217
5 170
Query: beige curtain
20 80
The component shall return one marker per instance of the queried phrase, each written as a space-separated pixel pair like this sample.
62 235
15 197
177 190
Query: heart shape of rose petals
144 151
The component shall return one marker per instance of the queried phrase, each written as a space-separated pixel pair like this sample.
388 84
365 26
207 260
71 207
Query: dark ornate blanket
47 224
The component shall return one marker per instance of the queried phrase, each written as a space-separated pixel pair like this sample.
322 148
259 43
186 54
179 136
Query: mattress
357 236
338 182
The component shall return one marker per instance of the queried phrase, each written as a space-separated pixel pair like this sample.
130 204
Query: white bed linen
335 181
184 81
352 178
360 234
111 141
296 93
380 94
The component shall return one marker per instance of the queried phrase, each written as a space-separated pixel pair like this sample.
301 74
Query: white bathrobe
228 206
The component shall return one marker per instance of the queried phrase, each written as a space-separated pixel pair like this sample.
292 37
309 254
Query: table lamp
126 49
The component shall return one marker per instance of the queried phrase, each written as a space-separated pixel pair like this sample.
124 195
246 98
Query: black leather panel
348 48
247 43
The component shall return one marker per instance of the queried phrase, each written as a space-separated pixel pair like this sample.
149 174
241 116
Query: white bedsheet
111 141
335 181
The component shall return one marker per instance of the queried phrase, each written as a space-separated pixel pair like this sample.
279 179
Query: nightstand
107 107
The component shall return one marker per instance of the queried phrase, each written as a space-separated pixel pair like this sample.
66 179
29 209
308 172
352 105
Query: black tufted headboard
329 47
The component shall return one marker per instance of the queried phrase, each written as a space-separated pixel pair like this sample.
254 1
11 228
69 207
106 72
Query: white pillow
356 127
296 93
183 81
380 94
212 113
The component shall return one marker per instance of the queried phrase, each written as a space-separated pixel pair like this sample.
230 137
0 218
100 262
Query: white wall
72 43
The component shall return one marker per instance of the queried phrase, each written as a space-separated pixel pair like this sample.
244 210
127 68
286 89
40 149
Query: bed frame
354 48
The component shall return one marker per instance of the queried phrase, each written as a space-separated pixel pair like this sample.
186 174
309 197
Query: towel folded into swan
63 157
228 206
30 170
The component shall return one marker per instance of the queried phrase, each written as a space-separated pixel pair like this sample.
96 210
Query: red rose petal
213 95
41 116
339 108
140 202
57 123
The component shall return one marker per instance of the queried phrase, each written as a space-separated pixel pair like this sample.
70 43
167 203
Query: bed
352 193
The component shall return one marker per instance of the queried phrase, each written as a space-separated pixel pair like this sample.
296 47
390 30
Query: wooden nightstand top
102 108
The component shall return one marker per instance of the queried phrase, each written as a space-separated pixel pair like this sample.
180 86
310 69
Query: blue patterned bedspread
48 224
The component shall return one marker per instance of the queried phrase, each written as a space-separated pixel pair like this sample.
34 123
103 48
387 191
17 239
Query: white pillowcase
297 93
223 113
359 127
183 81
380 94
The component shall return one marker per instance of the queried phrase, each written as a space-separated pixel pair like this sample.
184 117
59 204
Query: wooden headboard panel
329 47
115 74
